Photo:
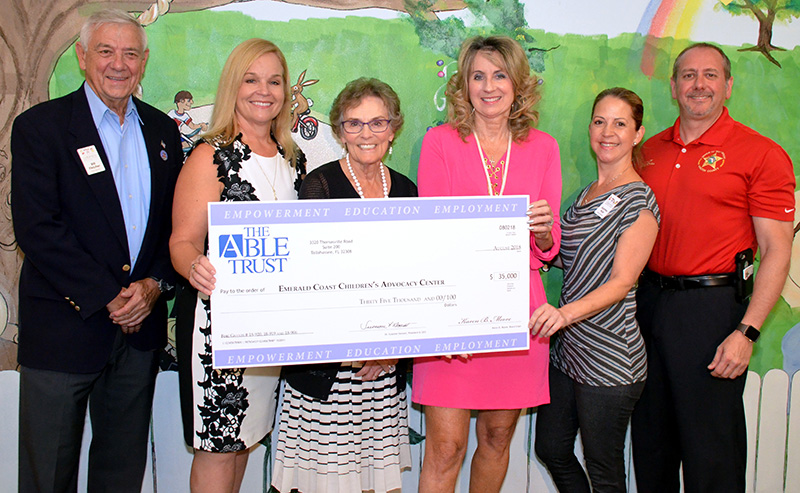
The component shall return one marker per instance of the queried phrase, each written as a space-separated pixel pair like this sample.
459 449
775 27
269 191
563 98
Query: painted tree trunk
765 26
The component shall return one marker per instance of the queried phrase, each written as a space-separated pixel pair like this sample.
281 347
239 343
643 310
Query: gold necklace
488 166
263 162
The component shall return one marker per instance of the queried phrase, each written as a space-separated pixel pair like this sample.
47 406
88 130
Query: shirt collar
98 108
714 136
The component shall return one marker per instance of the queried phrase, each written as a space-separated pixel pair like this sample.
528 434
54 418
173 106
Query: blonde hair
223 120
508 55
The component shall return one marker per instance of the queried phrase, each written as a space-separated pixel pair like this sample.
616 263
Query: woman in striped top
598 363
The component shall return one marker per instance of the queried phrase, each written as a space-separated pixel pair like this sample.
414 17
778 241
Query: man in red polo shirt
722 189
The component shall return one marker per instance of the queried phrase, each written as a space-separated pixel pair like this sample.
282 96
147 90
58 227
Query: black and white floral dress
232 409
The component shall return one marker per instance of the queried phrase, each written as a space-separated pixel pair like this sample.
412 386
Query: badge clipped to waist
744 275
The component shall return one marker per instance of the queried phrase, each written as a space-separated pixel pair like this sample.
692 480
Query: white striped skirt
356 440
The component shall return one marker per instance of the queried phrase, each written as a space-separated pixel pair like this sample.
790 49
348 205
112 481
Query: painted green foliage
506 17
781 10
188 51
766 12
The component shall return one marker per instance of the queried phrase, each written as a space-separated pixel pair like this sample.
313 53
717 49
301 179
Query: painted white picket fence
773 457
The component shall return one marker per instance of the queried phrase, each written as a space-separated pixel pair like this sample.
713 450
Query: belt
689 282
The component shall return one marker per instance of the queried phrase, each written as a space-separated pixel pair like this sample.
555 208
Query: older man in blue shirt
91 190
123 133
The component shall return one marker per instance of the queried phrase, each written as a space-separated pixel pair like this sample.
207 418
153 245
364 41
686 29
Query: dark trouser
602 414
53 411
685 415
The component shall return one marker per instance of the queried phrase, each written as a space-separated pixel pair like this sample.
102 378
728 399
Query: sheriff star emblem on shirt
711 161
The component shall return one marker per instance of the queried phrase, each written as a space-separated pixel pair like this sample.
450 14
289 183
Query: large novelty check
341 280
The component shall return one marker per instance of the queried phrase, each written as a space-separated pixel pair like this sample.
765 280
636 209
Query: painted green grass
188 51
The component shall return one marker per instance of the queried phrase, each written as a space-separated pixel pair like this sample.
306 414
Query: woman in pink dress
488 147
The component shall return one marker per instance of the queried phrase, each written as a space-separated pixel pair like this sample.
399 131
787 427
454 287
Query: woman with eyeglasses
344 426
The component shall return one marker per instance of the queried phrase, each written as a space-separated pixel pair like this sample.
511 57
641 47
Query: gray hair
110 16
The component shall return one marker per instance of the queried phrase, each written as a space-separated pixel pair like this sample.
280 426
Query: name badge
91 160
607 206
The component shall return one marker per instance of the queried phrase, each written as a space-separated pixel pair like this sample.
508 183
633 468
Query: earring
390 149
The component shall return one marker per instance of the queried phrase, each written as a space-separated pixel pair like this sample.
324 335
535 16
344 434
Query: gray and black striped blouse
605 349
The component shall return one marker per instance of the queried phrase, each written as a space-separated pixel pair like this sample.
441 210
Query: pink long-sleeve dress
449 166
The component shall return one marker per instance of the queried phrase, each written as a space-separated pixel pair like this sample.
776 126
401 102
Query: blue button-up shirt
127 155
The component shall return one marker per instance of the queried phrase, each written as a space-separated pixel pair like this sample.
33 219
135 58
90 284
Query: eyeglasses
379 125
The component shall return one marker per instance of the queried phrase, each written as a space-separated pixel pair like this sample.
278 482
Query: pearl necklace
358 184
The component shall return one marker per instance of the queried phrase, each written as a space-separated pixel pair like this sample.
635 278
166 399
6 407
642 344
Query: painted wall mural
578 47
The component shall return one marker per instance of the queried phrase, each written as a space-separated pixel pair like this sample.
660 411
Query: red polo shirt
708 190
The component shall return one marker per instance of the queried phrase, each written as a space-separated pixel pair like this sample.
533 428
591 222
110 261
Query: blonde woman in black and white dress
247 154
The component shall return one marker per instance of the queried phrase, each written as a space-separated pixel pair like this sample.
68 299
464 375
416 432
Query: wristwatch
749 331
